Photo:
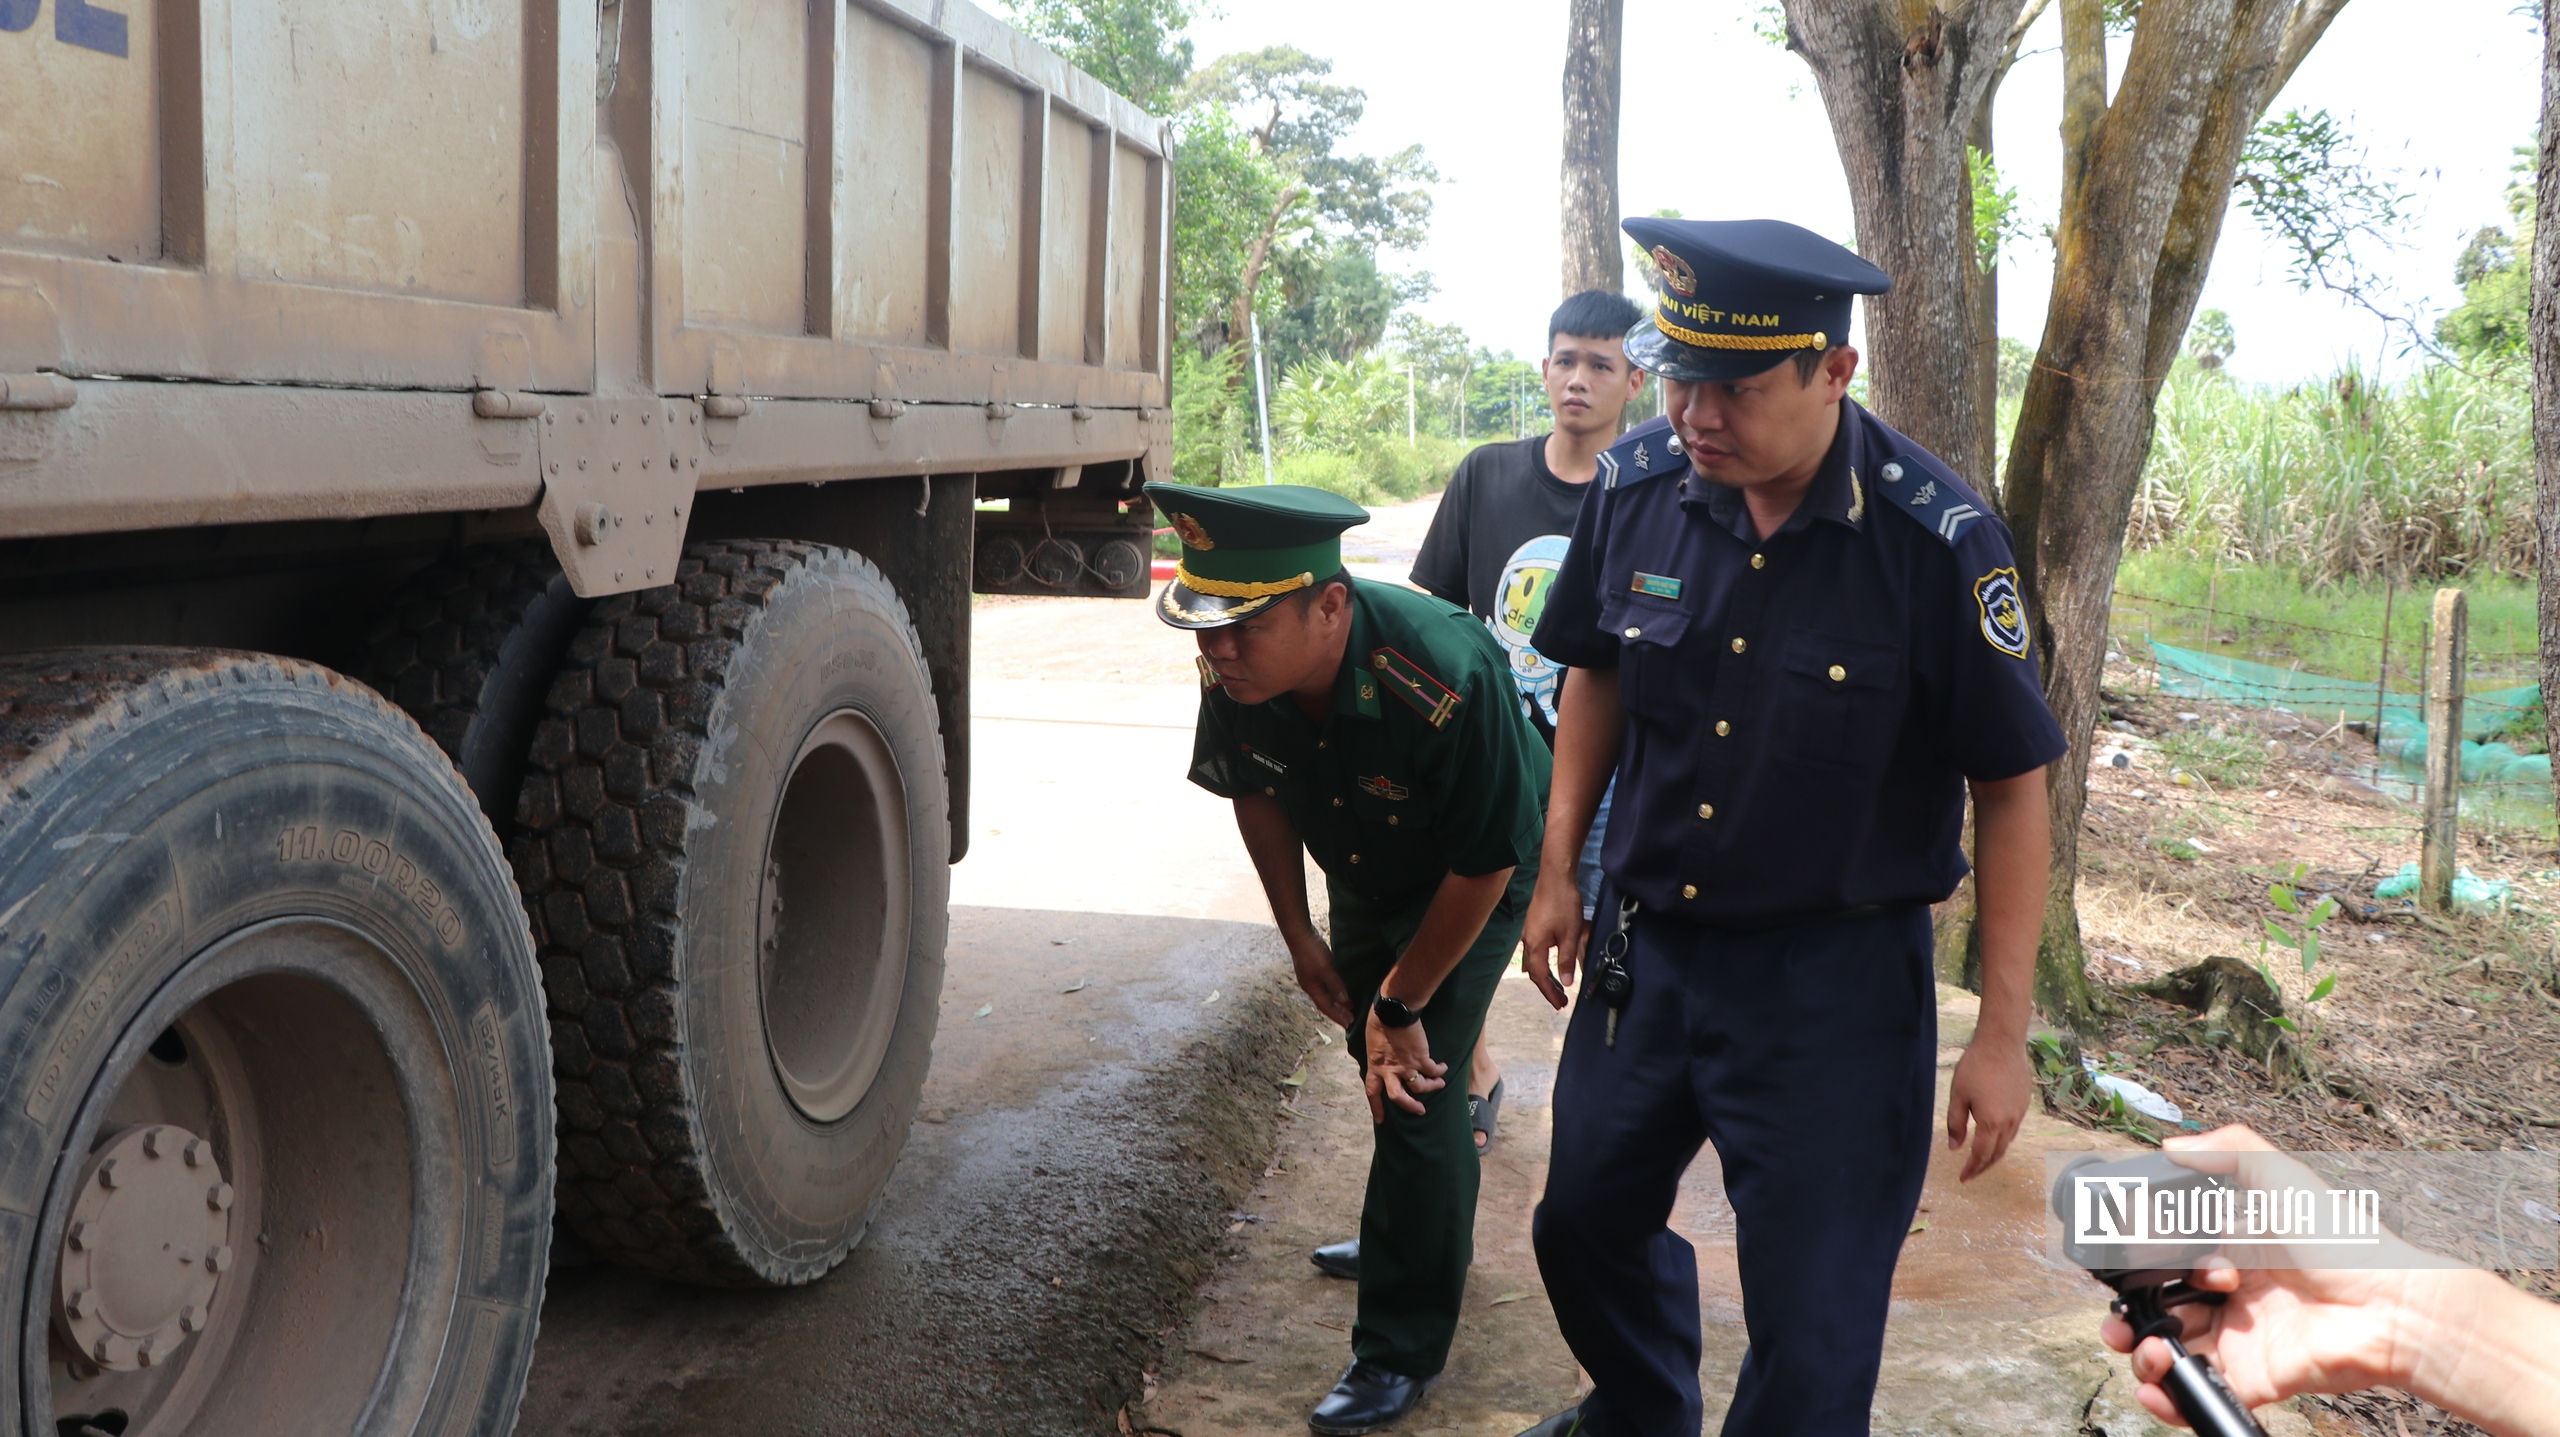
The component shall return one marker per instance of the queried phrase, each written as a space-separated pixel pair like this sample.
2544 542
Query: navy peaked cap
1738 296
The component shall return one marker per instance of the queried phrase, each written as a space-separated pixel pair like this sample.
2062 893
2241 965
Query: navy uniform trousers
1808 1056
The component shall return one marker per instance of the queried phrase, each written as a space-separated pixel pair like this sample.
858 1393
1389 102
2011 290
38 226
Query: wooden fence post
2445 664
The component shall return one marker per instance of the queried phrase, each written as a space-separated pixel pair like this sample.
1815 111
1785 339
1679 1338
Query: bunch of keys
1610 977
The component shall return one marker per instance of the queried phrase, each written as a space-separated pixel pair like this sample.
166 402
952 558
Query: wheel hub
147 1244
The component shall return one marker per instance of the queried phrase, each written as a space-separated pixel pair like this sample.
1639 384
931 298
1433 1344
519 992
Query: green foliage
1334 302
1996 217
2303 938
2424 478
2304 179
2495 272
1213 422
1382 470
2017 363
1135 46
1224 190
1333 406
2211 341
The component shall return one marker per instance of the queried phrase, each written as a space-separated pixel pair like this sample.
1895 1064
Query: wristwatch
1393 1013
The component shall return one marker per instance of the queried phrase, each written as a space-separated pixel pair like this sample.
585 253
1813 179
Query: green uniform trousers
1418 1219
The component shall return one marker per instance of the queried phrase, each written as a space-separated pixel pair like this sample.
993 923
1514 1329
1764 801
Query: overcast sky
1722 125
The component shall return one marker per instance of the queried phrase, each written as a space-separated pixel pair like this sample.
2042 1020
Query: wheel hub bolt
152 1142
217 1257
218 1197
191 1318
78 1304
147 1350
79 1235
107 1173
198 1152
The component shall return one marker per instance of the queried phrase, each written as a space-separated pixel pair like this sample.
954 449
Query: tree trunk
1593 256
1901 82
2147 181
1255 260
2544 327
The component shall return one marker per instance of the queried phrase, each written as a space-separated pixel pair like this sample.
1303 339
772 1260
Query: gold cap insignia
1676 274
1192 532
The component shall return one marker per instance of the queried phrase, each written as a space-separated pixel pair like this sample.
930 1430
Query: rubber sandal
1485 1115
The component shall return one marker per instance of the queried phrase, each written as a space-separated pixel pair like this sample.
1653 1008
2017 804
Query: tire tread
599 854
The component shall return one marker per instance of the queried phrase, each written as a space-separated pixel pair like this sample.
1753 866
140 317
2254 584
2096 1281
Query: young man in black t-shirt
1501 529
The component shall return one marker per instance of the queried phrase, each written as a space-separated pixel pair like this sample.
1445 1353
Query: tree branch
2084 89
2018 36
2302 30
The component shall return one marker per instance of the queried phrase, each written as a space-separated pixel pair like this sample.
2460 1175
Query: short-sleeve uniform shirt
1802 711
1424 765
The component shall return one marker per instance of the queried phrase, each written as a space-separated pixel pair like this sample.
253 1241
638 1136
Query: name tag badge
1658 585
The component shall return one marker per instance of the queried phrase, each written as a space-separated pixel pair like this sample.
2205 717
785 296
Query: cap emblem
1192 532
1677 277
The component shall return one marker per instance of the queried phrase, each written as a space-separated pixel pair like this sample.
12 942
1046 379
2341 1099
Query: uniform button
1319 743
1759 562
1271 793
1337 803
1893 472
1723 728
1706 810
1355 858
1838 673
1635 633
1740 644
1688 890
1391 820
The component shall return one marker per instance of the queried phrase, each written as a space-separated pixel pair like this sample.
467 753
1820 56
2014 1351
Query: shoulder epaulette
1918 486
1409 681
1648 450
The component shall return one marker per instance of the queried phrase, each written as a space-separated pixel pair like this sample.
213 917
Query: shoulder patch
1921 489
2004 611
1409 681
1644 452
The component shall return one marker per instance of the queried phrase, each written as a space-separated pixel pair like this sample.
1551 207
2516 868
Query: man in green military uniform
1379 730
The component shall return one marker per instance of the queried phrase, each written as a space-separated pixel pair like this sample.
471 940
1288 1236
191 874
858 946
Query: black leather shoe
1567 1423
1367 1398
1342 1259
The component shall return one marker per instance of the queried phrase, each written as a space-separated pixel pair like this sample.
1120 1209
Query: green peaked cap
1243 548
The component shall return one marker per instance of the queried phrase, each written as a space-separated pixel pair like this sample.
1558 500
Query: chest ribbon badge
2004 612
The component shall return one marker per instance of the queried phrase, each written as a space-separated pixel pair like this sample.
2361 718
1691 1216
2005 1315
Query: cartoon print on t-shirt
1518 601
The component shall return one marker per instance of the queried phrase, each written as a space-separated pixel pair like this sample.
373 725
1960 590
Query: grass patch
2218 759
2274 615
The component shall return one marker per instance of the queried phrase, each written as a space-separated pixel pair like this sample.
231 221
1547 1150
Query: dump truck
490 497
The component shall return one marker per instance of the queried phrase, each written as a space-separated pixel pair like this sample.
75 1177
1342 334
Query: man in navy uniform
1798 639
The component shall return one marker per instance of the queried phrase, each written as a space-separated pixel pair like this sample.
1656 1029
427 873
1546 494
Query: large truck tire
468 648
275 1100
733 839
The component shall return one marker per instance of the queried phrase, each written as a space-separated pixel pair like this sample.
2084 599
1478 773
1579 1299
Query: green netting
2188 674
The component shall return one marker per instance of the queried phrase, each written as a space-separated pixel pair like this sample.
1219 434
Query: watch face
1393 1012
